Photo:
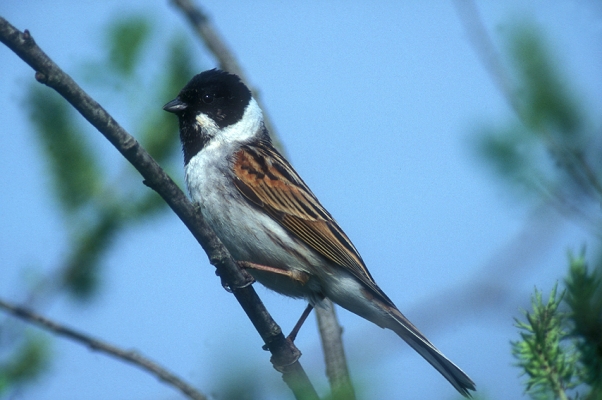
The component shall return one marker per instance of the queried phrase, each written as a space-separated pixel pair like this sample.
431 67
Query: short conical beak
175 106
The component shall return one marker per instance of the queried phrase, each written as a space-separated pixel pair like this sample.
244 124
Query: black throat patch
193 140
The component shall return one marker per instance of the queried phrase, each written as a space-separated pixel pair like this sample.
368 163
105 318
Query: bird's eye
208 98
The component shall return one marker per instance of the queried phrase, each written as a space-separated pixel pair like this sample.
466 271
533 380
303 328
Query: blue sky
375 104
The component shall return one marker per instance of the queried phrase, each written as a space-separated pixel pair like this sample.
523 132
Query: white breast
248 233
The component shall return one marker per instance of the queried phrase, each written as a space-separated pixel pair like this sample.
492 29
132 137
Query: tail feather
412 336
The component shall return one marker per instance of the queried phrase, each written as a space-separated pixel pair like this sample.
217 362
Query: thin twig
225 57
284 354
334 353
486 51
130 356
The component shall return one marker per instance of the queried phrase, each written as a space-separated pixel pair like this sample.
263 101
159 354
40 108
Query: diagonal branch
284 354
129 356
486 51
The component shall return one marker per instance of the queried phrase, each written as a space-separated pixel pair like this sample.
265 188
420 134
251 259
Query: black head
211 101
218 94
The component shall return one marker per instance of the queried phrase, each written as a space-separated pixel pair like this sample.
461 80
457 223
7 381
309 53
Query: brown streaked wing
267 180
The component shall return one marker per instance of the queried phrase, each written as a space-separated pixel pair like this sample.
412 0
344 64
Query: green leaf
25 364
126 39
81 271
73 166
546 103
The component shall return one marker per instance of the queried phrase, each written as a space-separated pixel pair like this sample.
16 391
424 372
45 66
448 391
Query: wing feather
268 181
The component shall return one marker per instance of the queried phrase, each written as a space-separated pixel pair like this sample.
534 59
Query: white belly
249 234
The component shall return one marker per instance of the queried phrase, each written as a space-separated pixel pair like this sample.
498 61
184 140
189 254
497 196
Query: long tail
408 332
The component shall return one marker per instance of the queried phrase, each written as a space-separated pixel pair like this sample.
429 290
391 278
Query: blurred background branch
129 356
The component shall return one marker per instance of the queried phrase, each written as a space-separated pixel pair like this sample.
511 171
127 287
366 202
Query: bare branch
225 57
129 356
284 354
485 50
334 353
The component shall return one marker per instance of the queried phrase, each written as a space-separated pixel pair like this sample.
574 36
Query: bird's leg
293 335
298 276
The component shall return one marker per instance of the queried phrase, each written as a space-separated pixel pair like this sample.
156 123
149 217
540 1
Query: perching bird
268 218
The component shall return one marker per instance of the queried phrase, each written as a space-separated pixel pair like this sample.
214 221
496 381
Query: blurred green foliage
97 206
100 201
550 153
72 163
126 39
545 104
26 362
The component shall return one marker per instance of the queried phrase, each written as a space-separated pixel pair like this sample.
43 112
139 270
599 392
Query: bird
269 219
